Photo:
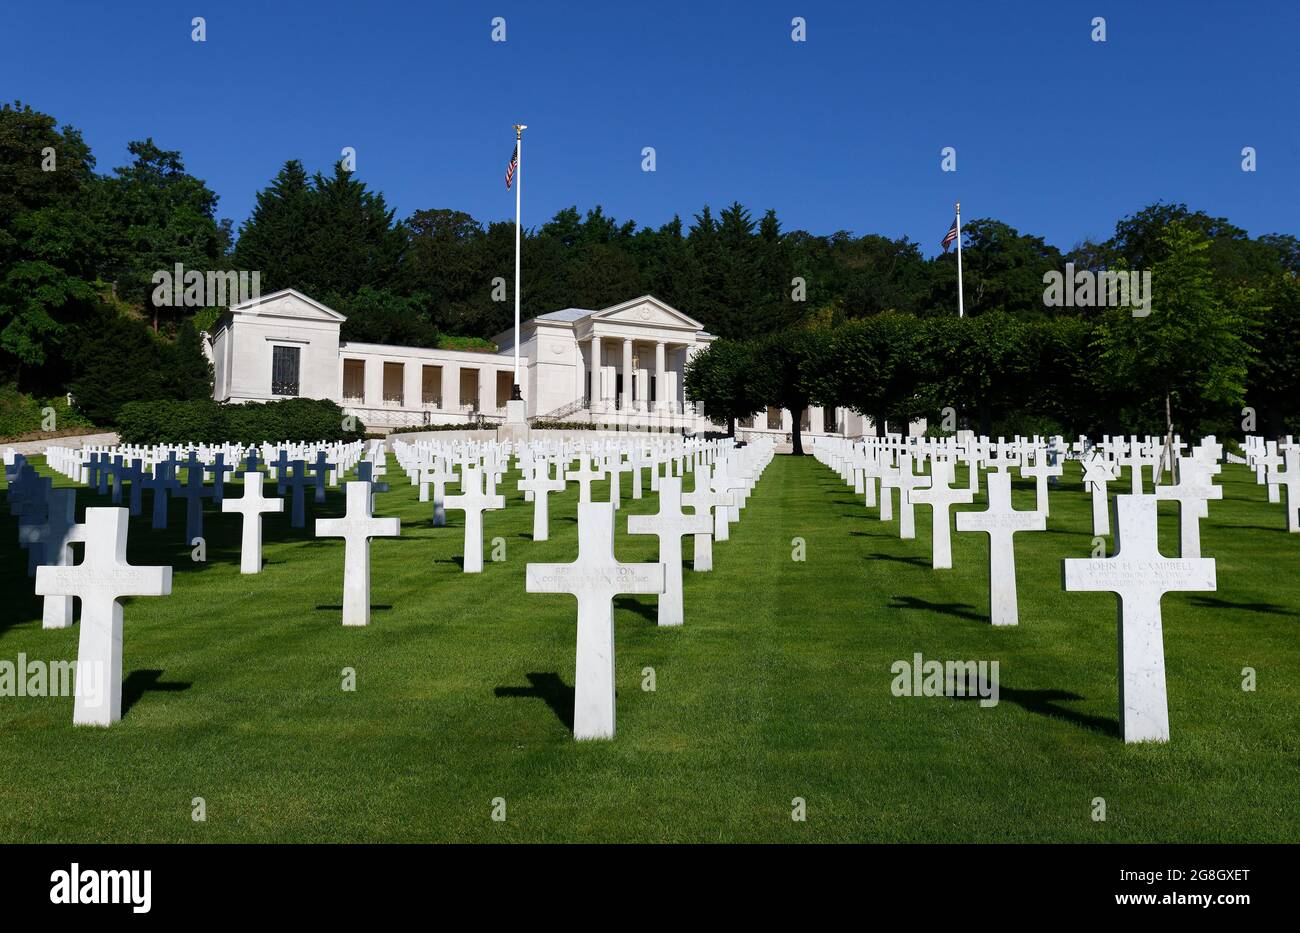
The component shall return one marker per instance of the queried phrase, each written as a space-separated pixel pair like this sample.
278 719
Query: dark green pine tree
276 238
354 241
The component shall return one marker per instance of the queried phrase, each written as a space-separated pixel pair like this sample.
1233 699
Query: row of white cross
1136 571
724 476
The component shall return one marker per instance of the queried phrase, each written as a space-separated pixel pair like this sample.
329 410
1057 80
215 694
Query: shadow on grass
374 607
138 683
914 561
549 687
1212 602
959 610
648 611
1044 703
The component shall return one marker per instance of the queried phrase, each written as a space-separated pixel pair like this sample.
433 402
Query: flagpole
961 303
515 393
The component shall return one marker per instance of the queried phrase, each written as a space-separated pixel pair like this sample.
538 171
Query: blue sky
1055 134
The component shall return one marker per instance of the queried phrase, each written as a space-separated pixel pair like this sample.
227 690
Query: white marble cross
1140 575
474 502
595 578
615 466
941 496
906 481
356 528
438 476
1135 460
1001 521
703 500
1268 463
99 581
251 506
1097 472
1040 471
585 475
540 485
1193 489
1290 478
55 536
669 524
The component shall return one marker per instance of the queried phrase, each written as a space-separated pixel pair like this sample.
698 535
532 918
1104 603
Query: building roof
564 314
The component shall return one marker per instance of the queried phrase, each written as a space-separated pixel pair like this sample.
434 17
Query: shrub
446 342
541 424
205 421
21 413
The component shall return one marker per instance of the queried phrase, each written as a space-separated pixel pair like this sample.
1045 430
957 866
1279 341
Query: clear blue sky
1055 134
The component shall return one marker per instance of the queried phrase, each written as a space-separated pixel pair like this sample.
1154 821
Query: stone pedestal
516 424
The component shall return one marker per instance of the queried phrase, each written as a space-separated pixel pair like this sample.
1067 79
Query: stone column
450 387
593 363
412 383
487 390
627 374
661 390
374 383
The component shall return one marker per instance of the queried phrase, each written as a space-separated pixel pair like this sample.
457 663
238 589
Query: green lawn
777 687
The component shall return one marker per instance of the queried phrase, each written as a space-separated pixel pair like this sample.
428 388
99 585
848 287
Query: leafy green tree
1186 362
379 316
719 379
976 365
783 374
49 247
157 215
1001 269
1273 386
876 366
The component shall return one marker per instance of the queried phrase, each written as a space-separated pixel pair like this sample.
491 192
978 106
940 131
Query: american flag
510 169
950 236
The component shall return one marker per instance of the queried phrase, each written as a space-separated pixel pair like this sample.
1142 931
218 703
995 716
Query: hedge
203 421
25 414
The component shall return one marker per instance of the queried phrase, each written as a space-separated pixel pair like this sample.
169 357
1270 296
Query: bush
205 421
21 413
455 426
118 360
446 342
541 424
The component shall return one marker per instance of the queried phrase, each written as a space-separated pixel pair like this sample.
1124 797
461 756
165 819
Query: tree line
860 320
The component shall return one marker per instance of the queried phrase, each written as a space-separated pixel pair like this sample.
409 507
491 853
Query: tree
327 235
1002 269
718 378
1189 355
1273 386
977 364
783 375
49 245
276 239
157 215
874 366
379 316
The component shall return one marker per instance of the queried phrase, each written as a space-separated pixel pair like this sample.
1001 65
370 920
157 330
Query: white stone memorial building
621 366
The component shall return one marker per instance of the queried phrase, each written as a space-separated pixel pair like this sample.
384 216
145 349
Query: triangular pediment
647 310
289 303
